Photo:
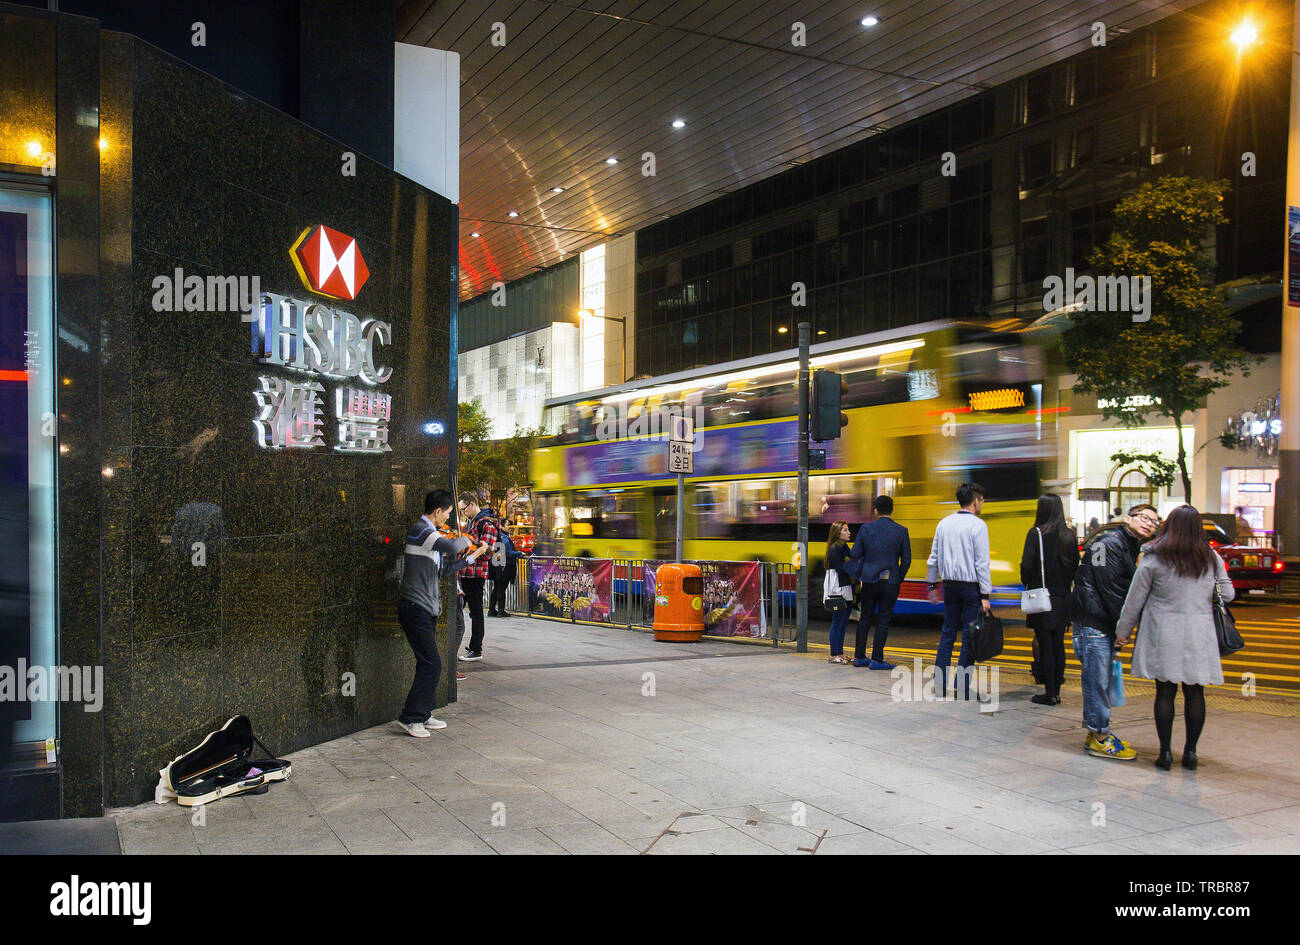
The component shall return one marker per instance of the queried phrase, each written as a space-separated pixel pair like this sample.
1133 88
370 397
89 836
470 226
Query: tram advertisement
571 588
733 597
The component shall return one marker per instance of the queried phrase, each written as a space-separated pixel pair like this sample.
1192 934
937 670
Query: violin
451 533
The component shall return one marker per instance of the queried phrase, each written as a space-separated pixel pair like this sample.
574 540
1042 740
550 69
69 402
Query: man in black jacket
1100 586
881 556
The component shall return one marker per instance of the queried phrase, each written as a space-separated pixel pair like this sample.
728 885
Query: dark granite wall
293 594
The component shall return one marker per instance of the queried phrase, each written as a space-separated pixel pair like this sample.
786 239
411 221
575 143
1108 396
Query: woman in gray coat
1173 595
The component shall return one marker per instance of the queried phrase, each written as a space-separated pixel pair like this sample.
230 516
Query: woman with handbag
1047 568
838 582
1174 594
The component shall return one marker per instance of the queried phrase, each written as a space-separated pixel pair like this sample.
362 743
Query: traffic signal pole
801 575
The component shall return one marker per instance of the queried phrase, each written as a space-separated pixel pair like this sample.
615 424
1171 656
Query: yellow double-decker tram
928 407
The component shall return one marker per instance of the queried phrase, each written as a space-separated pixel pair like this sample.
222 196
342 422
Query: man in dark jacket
881 556
1100 586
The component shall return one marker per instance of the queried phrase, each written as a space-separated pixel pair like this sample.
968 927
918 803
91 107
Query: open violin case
222 765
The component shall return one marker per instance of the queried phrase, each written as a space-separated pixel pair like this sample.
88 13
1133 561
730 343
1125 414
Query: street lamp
588 313
1245 34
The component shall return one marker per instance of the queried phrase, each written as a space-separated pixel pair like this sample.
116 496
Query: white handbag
1037 600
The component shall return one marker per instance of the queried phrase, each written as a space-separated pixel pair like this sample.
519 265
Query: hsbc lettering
318 339
309 336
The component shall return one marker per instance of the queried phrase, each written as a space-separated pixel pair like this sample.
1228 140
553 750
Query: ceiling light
513 213
678 123
557 190
103 144
869 21
34 148
475 235
782 330
1245 34
611 160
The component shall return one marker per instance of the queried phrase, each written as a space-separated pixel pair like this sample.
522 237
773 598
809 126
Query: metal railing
630 609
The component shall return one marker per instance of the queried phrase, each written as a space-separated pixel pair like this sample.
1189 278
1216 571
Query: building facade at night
222 359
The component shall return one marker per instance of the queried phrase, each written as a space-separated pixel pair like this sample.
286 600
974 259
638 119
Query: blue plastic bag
1116 684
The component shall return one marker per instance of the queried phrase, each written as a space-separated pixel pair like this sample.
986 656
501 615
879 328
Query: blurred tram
929 406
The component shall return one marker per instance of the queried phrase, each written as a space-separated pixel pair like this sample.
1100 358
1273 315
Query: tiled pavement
584 740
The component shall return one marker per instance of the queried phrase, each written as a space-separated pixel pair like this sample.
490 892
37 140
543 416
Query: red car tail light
1278 565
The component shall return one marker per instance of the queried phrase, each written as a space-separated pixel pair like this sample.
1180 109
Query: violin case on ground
222 765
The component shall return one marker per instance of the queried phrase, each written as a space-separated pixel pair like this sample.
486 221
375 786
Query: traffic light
827 420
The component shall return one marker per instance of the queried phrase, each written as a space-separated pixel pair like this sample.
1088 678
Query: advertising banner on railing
572 588
733 597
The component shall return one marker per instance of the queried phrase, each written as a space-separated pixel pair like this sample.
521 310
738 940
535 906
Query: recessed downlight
678 123
869 21
513 213
611 160
557 190
475 235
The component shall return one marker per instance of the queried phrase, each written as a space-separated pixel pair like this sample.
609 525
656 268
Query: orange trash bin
679 603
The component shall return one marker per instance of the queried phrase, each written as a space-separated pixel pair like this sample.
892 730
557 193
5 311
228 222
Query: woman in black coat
1060 559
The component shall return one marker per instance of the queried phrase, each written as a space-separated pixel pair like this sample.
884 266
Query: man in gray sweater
960 554
427 557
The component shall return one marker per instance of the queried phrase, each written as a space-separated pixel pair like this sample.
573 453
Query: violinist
430 553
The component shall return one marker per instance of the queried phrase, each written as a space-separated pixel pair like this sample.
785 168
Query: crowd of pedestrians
1135 575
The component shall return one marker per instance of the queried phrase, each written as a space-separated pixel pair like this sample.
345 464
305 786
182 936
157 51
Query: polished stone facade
288 615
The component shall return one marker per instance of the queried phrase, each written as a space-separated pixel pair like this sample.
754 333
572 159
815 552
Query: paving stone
716 761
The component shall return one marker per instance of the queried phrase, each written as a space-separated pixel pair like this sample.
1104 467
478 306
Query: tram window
603 515
1004 483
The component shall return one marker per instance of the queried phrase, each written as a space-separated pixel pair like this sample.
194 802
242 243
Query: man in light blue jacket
960 555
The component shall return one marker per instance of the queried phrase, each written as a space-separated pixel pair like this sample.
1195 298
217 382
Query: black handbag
1225 627
986 637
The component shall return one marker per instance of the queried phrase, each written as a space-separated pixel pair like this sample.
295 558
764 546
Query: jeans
1094 650
497 598
473 587
961 605
839 624
877 603
419 626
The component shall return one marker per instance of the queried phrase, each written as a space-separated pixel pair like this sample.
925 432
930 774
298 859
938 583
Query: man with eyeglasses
1100 586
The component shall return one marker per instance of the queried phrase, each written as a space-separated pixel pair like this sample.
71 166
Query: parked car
1251 568
522 536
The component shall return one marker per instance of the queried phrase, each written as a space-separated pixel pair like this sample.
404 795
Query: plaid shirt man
482 529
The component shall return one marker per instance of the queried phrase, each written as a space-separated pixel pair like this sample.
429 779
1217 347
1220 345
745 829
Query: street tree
496 469
1167 364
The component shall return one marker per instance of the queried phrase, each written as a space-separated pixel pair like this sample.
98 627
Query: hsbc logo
329 262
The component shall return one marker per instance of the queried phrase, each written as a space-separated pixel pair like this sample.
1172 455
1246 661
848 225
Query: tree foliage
1187 348
497 469
1158 470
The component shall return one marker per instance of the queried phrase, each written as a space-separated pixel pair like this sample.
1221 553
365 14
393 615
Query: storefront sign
312 338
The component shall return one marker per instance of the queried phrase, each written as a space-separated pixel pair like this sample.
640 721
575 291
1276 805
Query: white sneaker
433 723
469 656
416 729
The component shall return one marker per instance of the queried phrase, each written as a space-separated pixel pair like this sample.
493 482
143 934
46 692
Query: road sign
681 458
681 429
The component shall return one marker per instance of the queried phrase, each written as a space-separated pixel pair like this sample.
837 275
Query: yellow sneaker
1109 747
